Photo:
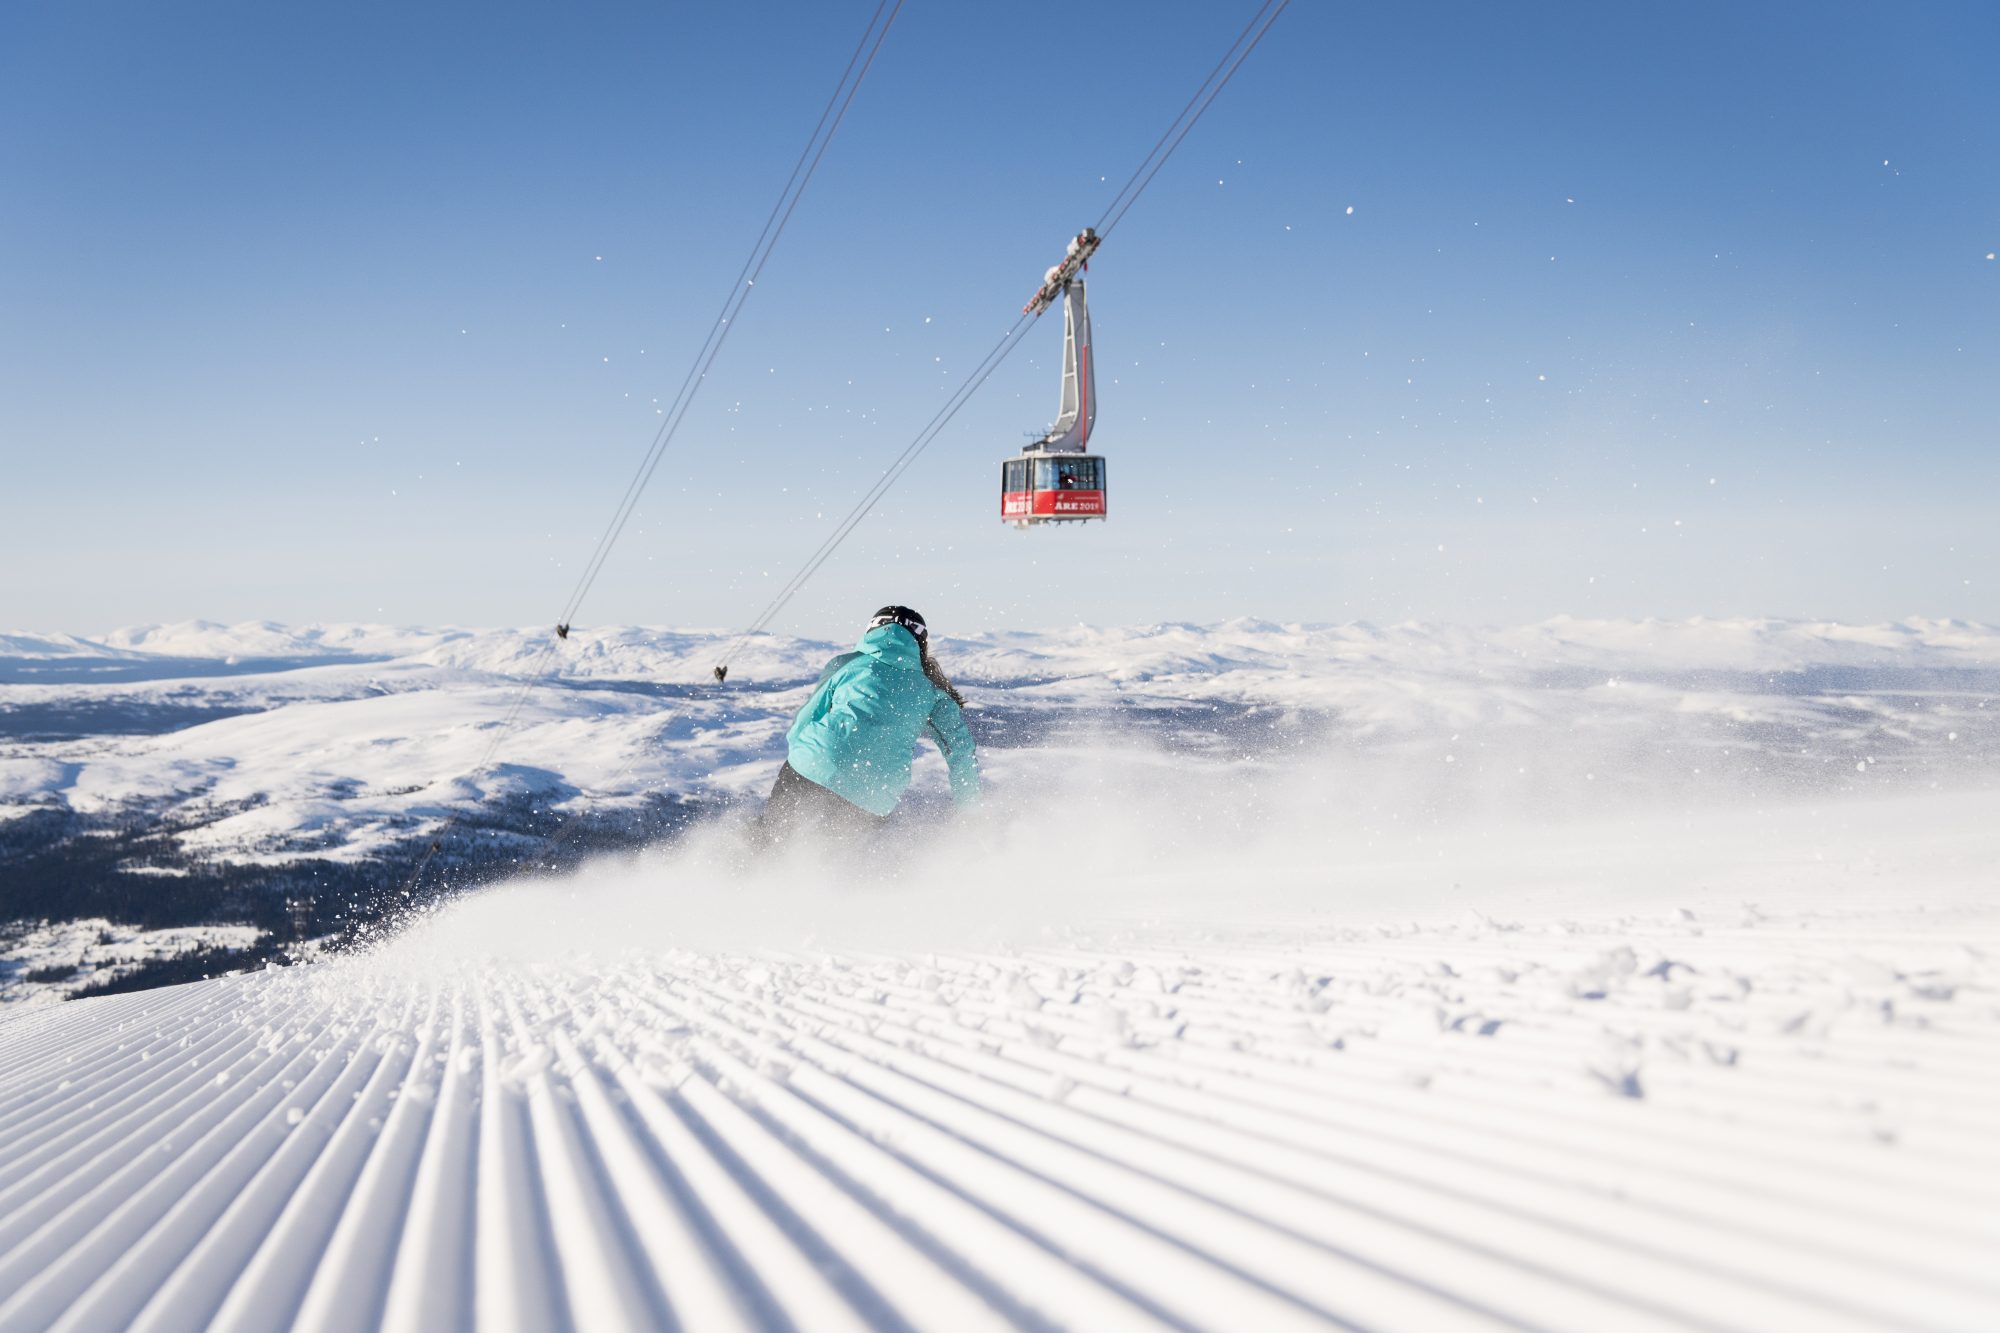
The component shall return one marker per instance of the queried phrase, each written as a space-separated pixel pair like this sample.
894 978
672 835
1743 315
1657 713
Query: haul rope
830 119
1121 203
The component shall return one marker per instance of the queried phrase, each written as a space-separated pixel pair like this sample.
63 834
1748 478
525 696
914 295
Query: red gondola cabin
1040 487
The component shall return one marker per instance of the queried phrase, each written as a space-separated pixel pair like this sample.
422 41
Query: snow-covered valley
180 777
278 744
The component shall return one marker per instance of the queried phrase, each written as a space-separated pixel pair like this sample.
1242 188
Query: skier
849 749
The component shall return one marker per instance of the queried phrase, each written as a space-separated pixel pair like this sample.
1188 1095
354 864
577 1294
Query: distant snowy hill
358 737
267 639
199 774
1730 644
36 647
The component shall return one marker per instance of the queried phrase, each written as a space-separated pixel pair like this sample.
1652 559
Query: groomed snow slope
1639 1115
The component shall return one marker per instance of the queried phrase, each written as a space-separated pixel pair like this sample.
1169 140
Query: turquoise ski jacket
857 733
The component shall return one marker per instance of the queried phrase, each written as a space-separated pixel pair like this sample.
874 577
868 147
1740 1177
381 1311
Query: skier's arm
947 728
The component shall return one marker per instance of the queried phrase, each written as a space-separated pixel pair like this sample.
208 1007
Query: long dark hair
936 672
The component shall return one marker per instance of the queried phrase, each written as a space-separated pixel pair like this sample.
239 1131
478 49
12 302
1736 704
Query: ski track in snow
1759 1122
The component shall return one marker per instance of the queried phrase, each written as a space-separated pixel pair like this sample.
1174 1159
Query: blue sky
360 311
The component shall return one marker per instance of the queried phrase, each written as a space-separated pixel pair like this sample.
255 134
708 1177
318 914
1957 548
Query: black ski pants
798 806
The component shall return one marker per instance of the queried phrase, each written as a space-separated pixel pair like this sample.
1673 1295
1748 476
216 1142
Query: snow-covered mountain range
270 742
177 775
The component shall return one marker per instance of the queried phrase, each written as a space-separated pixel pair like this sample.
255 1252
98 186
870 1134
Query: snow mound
264 638
41 647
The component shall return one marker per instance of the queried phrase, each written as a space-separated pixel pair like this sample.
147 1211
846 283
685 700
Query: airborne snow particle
1350 213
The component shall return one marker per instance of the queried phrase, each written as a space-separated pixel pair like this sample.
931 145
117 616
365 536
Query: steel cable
1276 7
835 112
1121 203
739 294
1110 208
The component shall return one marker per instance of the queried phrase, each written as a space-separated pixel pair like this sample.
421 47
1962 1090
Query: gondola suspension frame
1054 480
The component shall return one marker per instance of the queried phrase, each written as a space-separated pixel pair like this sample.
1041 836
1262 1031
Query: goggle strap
879 621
